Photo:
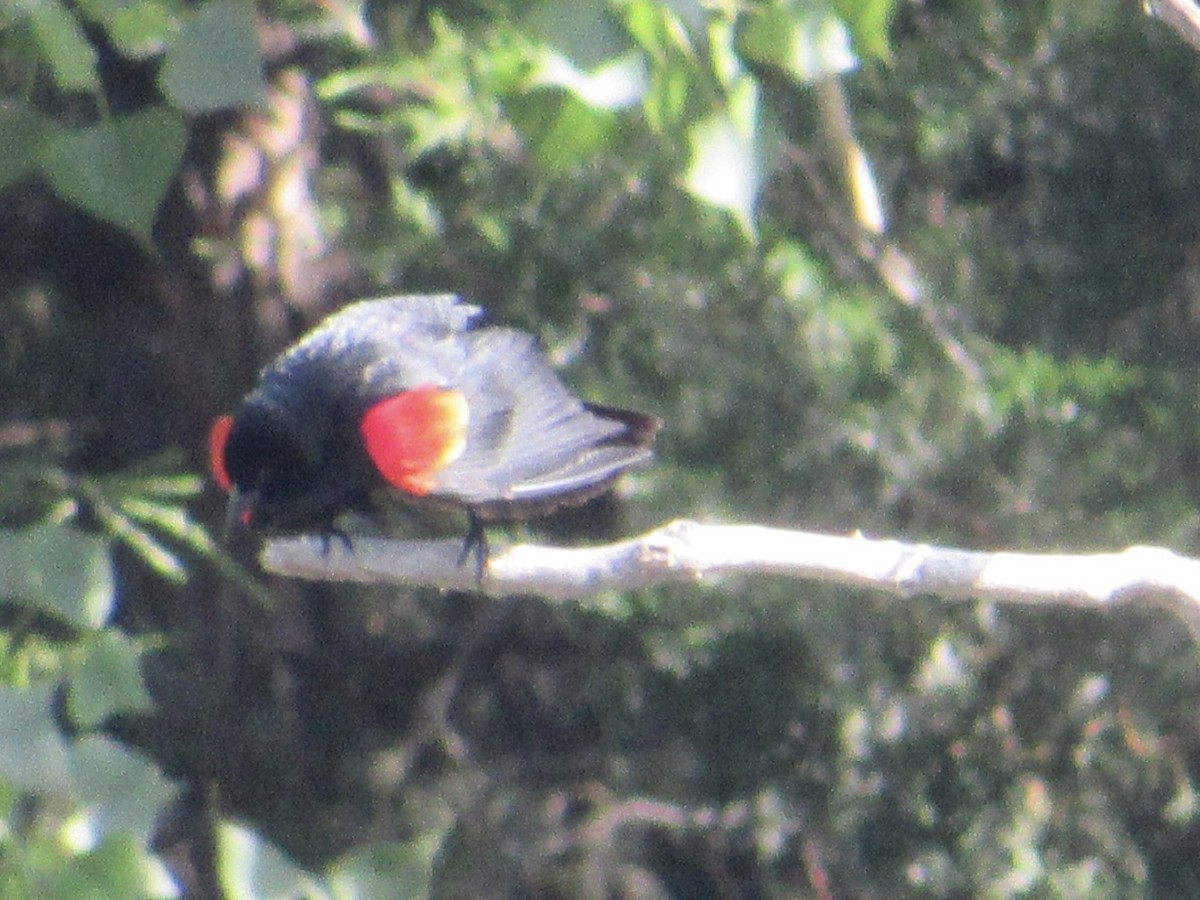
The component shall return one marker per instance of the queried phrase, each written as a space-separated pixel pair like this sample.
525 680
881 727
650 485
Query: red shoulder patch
412 435
218 437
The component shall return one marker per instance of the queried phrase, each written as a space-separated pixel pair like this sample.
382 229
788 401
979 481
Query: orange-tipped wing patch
218 437
412 435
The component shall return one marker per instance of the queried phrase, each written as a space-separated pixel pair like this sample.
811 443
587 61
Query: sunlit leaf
562 131
166 486
666 99
722 50
724 168
868 23
693 14
798 274
806 43
250 866
657 30
618 83
864 191
117 867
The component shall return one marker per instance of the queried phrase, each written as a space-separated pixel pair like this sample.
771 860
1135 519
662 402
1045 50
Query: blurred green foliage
671 195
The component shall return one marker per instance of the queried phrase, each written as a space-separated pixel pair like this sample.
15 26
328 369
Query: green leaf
797 273
672 59
805 43
122 792
166 486
387 871
216 63
138 29
654 29
108 679
33 753
250 866
562 131
22 132
722 49
692 14
120 169
583 31
117 867
667 98
71 58
868 23
60 570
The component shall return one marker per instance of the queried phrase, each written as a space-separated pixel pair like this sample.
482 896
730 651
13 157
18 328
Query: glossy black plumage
295 452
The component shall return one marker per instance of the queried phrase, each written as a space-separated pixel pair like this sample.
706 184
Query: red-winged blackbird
404 392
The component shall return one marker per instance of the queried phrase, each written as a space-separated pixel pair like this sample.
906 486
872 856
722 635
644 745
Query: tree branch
691 551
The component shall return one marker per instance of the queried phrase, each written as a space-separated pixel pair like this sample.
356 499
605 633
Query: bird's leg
476 544
329 533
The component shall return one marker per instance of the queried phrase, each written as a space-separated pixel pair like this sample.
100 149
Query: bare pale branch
691 551
1182 15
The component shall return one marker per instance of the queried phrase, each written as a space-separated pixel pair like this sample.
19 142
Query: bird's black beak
241 510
